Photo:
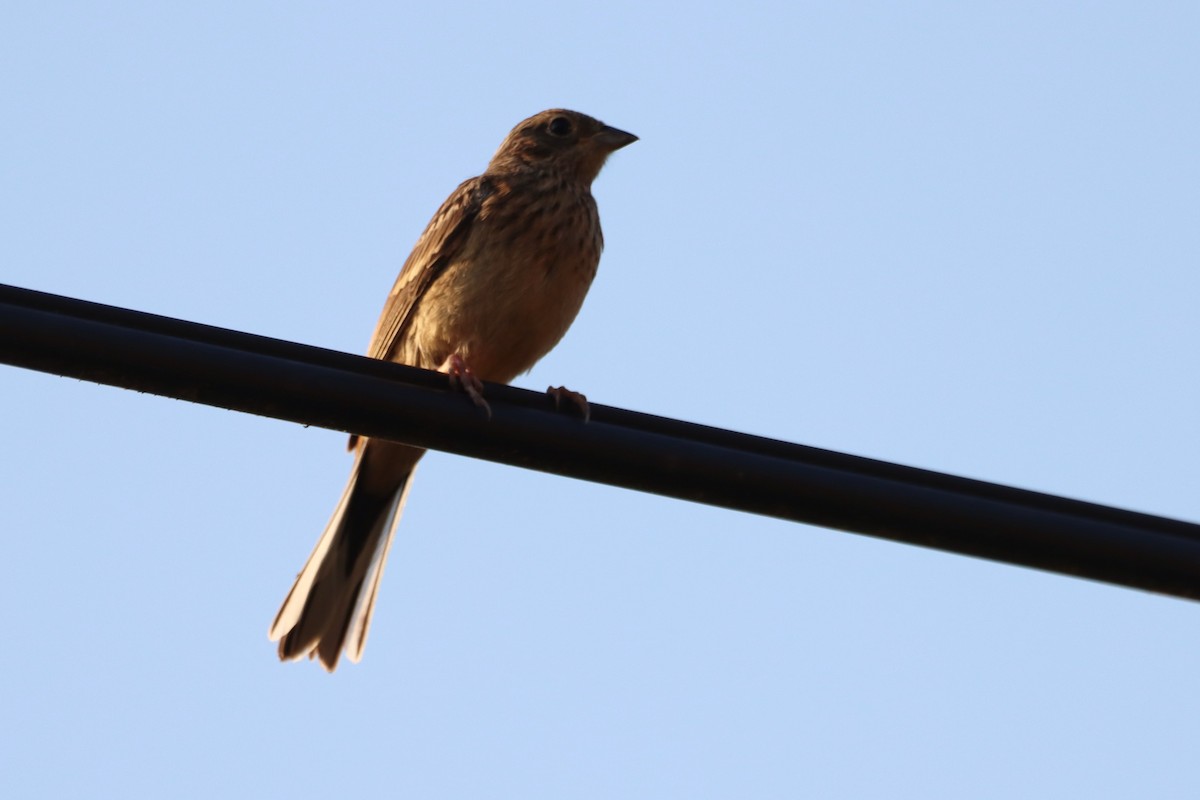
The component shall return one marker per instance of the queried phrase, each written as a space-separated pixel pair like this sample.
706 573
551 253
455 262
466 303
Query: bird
492 284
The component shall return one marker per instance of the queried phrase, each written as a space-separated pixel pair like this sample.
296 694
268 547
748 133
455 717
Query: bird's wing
442 240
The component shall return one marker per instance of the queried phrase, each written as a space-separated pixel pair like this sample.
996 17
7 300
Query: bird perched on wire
490 287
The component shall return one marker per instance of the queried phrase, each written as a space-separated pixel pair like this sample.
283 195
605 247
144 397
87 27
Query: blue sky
958 236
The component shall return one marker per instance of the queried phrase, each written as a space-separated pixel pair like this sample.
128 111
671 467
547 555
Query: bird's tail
329 608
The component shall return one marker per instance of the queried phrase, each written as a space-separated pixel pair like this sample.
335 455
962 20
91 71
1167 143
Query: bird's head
571 143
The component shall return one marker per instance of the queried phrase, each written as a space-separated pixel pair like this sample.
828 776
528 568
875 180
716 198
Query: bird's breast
516 285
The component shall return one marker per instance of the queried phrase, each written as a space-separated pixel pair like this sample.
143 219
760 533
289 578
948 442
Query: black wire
315 386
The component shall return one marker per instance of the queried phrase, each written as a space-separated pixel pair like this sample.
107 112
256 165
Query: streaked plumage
493 283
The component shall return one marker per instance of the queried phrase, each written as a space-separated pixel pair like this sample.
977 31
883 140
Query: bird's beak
611 138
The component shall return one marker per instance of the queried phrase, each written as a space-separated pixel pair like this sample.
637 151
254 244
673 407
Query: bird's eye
559 126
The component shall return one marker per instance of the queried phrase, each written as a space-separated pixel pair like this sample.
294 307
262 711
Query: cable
315 386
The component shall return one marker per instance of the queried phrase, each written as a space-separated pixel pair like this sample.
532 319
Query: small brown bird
490 287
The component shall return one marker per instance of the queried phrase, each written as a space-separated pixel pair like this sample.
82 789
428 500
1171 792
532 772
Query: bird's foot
562 395
463 378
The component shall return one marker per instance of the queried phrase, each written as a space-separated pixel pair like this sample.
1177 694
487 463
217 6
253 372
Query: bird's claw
562 394
463 378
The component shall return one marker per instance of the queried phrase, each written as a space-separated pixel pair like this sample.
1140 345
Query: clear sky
961 236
